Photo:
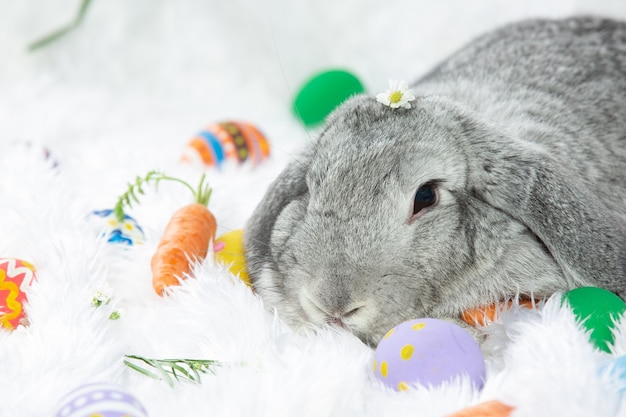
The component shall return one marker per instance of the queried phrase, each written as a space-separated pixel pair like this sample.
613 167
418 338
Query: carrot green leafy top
202 193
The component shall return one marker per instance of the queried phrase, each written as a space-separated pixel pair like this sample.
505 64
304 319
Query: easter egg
229 251
617 368
596 309
428 352
40 150
231 140
322 93
16 276
127 232
102 400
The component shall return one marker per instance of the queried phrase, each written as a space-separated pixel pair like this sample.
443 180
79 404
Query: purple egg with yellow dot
100 399
428 352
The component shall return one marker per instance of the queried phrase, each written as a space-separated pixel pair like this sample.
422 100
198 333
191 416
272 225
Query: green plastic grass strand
201 194
59 33
82 11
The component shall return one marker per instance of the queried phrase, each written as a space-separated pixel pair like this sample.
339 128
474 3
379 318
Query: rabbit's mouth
337 322
348 316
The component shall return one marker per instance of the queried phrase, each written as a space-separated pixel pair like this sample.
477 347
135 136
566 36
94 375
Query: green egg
597 309
322 93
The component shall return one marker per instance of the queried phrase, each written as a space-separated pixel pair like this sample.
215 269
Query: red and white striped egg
16 276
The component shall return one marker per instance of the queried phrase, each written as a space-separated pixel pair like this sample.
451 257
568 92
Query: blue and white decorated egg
127 232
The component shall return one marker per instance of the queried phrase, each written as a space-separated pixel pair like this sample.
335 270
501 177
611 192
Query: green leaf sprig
59 33
172 369
202 193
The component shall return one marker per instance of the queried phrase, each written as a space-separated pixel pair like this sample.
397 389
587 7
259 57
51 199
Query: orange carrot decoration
483 315
187 236
486 409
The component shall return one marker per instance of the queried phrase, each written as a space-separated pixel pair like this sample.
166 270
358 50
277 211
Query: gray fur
524 130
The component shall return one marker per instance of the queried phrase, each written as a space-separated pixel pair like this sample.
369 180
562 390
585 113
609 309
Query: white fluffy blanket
121 96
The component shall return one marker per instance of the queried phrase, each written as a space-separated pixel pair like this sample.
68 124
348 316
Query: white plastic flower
398 95
100 298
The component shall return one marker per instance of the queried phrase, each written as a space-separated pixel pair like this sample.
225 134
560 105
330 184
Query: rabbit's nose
335 313
336 321
339 318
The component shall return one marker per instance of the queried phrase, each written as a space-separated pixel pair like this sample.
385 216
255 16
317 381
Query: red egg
16 276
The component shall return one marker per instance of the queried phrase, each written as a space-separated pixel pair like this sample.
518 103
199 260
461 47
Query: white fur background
122 95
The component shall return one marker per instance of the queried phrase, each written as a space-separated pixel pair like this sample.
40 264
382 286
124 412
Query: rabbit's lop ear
587 239
289 185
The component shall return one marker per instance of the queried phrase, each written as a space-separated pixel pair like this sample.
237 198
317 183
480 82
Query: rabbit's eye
425 196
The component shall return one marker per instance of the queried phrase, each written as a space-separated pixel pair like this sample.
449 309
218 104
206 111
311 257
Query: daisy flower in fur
397 95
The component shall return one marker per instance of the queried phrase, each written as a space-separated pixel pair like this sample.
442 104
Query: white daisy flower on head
397 95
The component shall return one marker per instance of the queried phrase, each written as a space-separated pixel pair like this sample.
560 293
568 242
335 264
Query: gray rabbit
506 177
